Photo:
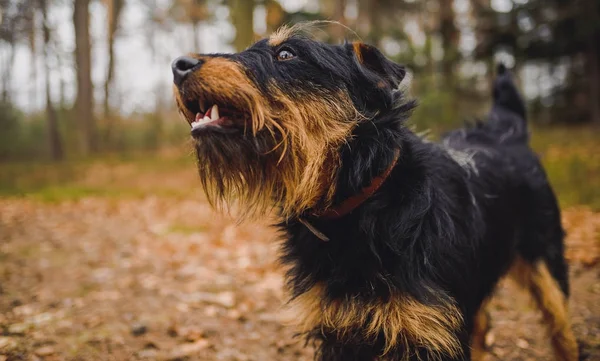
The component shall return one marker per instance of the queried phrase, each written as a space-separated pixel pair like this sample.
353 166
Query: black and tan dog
393 243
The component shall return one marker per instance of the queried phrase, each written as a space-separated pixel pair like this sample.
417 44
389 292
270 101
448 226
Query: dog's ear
373 60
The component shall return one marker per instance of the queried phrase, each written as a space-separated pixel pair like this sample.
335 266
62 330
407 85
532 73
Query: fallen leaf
18 329
489 339
45 351
188 349
225 299
522 343
191 333
147 353
7 343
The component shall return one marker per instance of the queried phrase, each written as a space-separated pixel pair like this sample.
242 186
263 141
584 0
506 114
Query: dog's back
518 206
506 123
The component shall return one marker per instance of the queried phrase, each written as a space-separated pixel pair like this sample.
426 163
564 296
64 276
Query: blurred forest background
68 86
91 78
108 248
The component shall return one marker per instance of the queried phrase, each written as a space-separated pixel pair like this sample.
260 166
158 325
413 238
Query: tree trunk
242 16
7 73
196 32
335 10
275 15
33 77
363 23
113 9
62 86
450 36
594 66
56 150
84 103
376 28
339 14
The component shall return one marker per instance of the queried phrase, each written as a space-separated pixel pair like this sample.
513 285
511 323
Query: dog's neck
354 201
351 203
351 237
366 163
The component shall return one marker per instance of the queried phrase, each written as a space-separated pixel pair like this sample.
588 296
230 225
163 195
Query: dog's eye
285 54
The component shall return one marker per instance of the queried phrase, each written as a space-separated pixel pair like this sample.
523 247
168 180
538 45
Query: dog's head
269 122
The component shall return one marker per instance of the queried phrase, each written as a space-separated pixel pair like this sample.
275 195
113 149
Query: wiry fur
404 275
481 327
287 31
292 142
400 321
547 296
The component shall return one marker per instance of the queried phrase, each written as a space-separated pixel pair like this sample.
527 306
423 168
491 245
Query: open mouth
213 116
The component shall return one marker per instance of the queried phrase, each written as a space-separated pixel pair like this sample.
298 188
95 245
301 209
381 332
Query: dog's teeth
214 113
201 104
196 120
211 115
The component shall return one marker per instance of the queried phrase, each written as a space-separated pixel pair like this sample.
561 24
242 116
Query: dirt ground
160 278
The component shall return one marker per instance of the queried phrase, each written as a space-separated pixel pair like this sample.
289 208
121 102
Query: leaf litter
158 278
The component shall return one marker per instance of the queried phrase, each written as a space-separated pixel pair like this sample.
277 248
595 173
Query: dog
393 243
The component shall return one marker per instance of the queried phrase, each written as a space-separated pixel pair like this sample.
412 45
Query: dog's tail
508 116
506 94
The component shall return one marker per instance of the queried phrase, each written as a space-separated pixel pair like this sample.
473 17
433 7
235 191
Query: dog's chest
403 322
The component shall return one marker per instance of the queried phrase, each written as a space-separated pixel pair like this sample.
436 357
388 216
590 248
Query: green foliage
25 137
10 130
21 178
571 157
119 175
433 111
440 108
20 137
147 132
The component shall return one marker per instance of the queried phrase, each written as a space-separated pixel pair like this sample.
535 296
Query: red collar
351 203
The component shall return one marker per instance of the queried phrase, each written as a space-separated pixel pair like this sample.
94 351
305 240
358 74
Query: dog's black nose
182 67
